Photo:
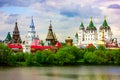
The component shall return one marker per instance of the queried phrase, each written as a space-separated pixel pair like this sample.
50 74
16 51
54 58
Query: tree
64 56
6 56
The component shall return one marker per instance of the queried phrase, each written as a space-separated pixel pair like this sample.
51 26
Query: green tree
90 57
38 57
64 56
20 56
45 56
30 61
6 56
116 56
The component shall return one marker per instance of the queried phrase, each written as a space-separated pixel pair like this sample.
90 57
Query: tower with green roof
107 30
8 38
91 31
80 35
105 25
91 25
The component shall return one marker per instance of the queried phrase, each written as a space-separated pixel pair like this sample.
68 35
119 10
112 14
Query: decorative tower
81 33
50 36
31 33
106 29
8 38
91 31
16 35
76 39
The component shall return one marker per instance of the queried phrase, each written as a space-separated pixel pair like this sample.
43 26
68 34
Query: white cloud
63 25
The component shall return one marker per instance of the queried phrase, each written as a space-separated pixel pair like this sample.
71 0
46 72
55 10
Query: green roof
76 35
105 23
81 25
8 38
91 25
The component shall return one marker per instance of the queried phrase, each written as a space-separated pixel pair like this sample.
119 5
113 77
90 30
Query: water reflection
61 73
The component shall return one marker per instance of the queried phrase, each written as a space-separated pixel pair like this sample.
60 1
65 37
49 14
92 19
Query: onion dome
105 25
82 26
91 25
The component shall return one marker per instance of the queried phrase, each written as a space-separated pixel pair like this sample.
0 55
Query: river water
61 73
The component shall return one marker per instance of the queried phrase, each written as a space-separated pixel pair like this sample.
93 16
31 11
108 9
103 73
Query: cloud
11 19
114 6
78 11
66 15
23 3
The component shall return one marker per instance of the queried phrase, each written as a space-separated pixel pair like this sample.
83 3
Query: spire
16 27
91 25
8 38
50 27
16 35
50 36
32 23
105 22
81 25
76 35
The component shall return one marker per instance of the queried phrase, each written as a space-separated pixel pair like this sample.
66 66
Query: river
61 73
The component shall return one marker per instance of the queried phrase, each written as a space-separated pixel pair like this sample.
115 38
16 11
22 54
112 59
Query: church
91 34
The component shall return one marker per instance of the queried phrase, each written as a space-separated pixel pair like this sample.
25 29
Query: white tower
107 31
30 36
81 34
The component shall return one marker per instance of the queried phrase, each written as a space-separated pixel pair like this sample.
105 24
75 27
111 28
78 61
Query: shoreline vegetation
67 55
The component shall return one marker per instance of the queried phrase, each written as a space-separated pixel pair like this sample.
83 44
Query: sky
66 16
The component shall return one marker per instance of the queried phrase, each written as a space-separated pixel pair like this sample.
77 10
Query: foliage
30 60
66 55
6 56
20 56
90 48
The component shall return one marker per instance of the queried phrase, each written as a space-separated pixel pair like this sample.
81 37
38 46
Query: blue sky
66 16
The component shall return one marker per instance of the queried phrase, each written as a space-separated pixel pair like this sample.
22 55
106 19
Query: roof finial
104 17
90 18
16 20
50 21
32 17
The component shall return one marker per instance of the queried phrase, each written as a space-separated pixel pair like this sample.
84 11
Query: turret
105 25
91 25
91 31
16 35
8 38
50 36
80 33
107 30
81 26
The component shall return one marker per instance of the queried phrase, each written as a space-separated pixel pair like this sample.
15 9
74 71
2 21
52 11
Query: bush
64 56
90 58
20 56
6 56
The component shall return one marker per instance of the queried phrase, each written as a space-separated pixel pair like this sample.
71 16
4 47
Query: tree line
68 55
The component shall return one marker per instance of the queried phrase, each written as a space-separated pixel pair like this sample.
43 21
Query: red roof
58 44
15 46
41 47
